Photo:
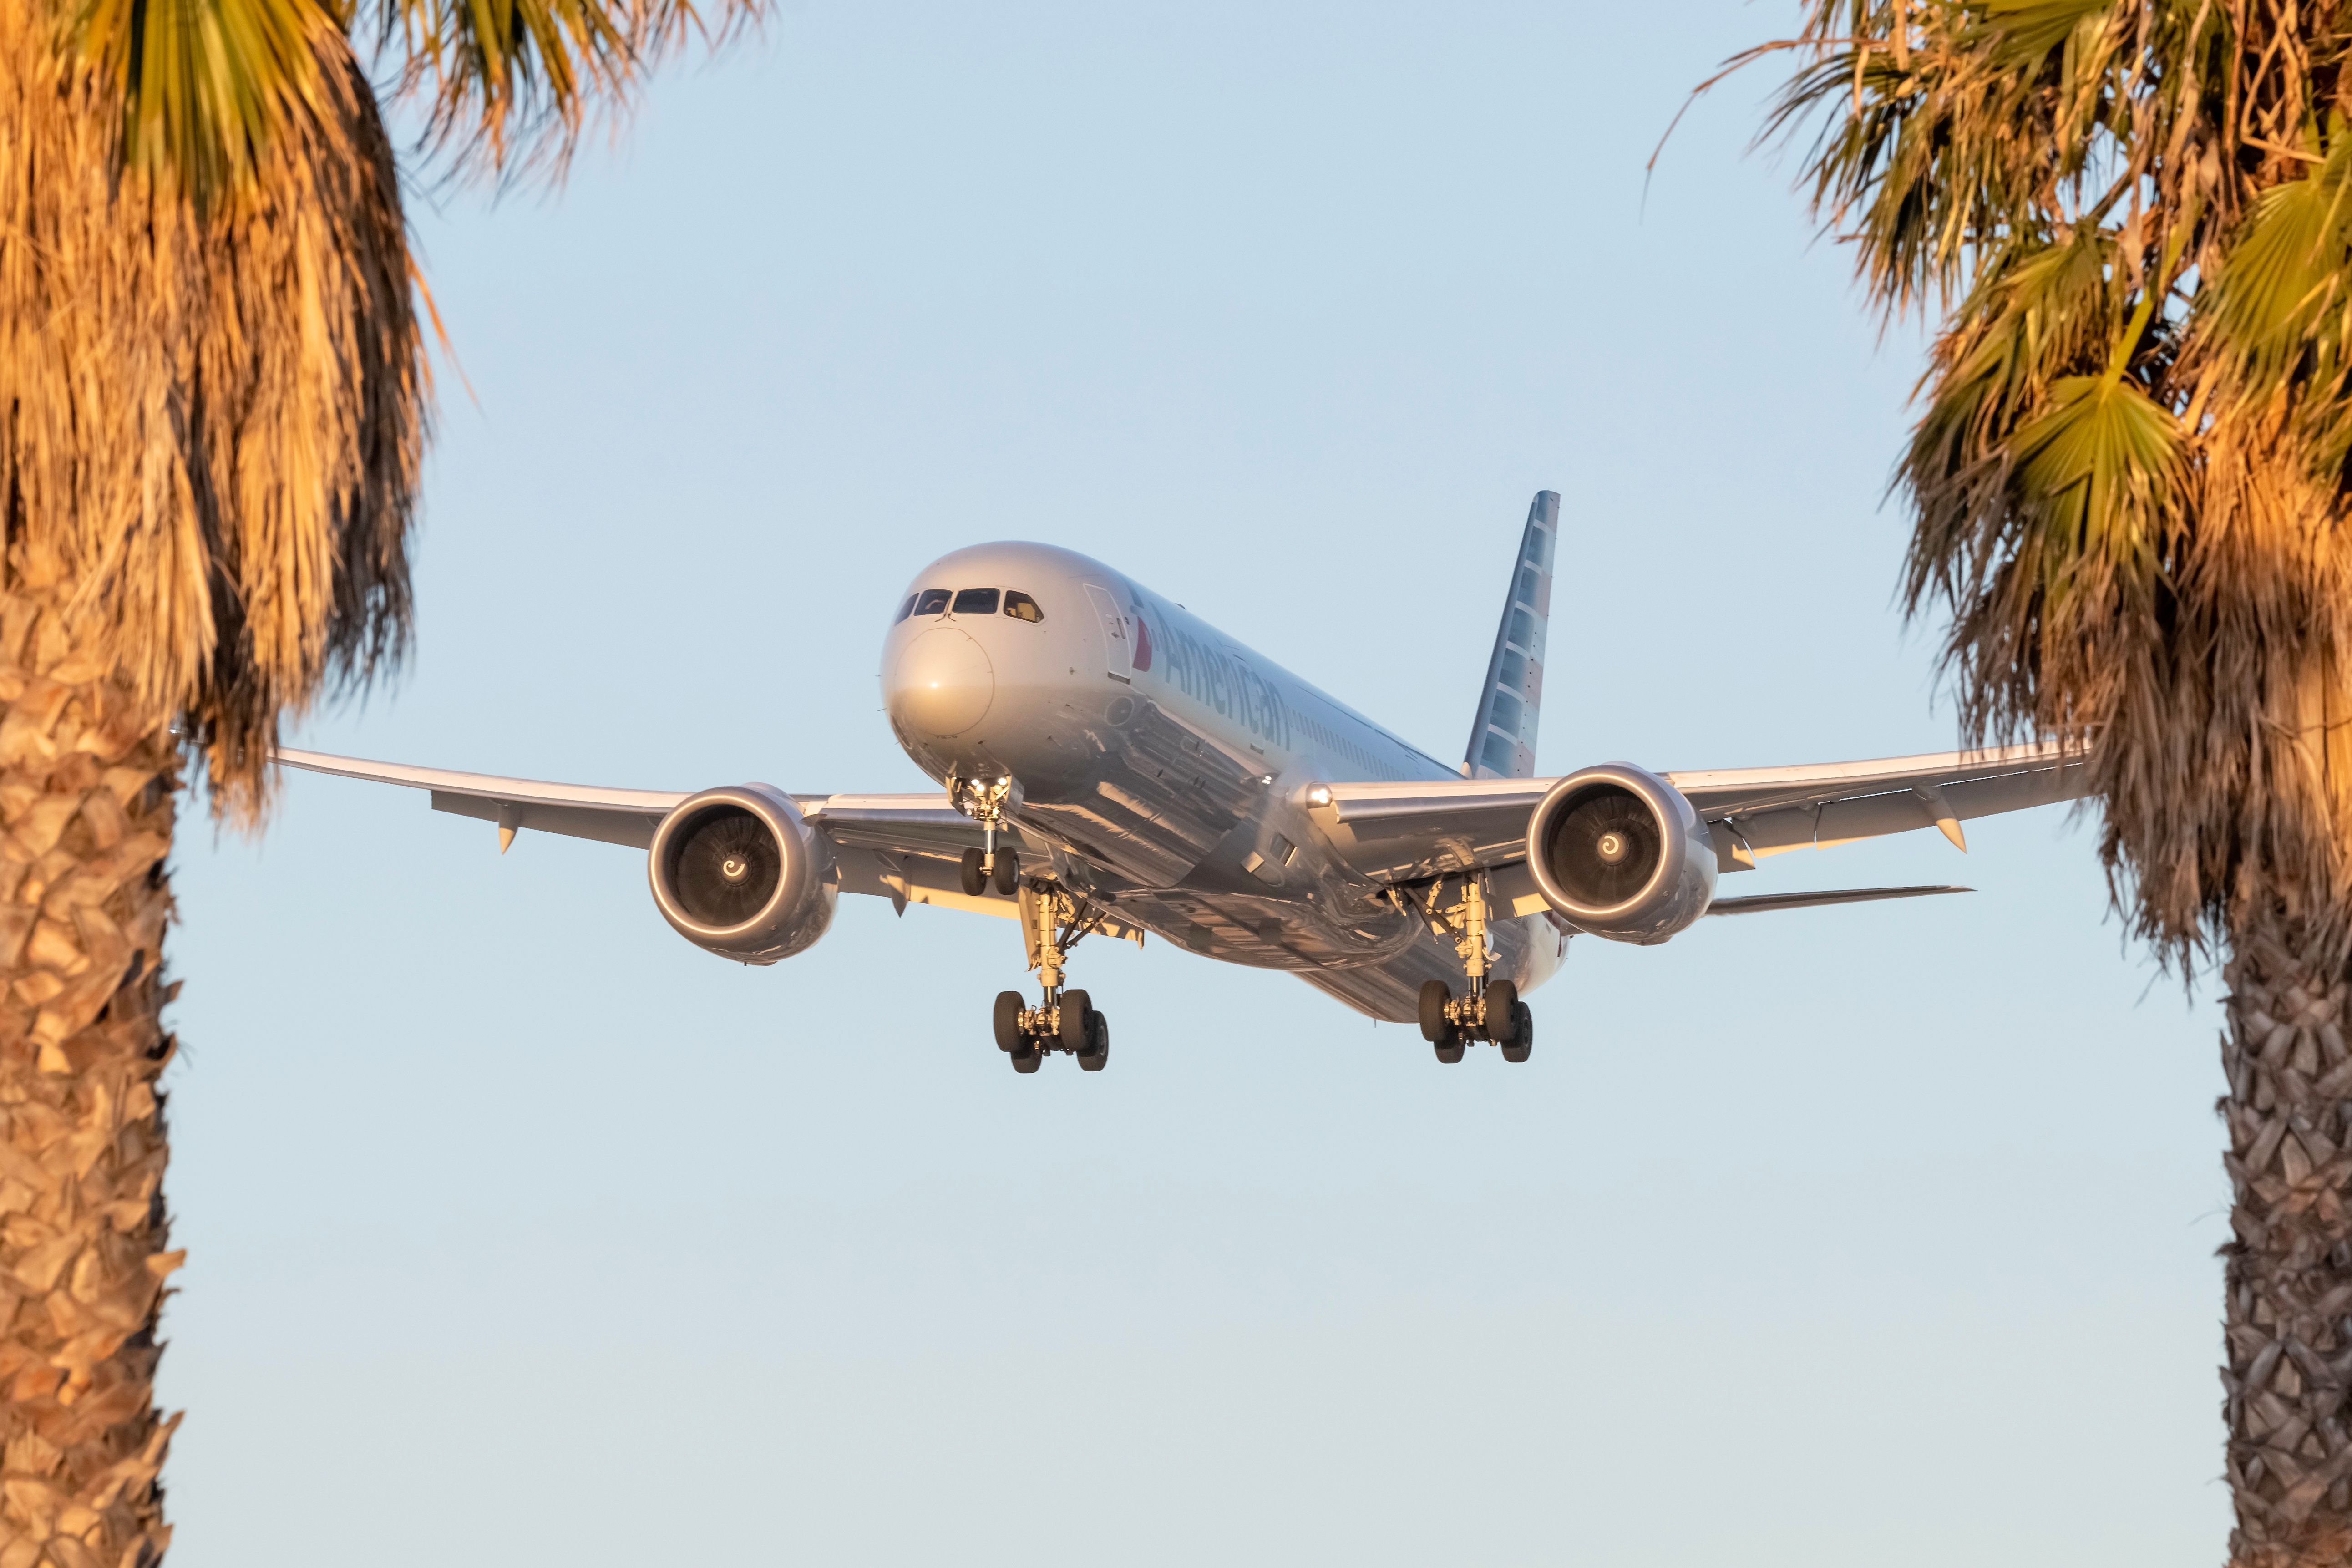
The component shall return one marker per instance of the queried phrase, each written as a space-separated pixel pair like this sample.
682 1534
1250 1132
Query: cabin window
1020 606
905 609
934 602
976 602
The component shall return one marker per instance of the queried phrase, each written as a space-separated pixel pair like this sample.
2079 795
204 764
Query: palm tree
213 405
2131 481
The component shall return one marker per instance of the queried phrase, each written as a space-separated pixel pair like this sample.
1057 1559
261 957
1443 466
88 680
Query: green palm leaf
2284 292
2097 485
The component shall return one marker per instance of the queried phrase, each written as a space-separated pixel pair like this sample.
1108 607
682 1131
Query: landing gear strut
1488 1010
1053 922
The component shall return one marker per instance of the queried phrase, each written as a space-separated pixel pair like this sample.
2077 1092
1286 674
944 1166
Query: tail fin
1503 740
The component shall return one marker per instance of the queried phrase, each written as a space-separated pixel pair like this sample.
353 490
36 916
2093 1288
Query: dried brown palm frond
210 359
213 418
2129 220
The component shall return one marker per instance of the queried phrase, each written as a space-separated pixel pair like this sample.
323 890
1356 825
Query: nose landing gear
985 801
1488 1010
1053 922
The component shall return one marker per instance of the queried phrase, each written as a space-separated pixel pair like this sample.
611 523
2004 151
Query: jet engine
1621 853
740 872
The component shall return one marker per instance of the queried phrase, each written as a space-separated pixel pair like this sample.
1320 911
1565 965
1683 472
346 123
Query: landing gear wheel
1026 1061
1502 1018
1008 1021
1434 1025
1076 1009
1006 877
1450 1049
975 880
1523 1036
1097 1043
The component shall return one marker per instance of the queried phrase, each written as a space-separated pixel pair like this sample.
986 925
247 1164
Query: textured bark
2288 1271
87 800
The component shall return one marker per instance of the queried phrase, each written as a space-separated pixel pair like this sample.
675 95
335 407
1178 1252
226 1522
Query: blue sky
522 1231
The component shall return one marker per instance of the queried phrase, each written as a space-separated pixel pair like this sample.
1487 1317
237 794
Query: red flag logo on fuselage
1142 643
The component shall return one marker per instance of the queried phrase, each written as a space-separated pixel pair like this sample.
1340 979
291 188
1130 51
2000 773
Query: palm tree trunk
88 790
2288 1269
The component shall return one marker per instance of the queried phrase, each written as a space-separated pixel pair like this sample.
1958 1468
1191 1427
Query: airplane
1111 764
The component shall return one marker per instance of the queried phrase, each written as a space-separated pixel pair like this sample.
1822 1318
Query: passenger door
1118 651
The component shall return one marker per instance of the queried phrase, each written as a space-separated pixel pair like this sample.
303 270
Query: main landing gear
1053 922
1488 1010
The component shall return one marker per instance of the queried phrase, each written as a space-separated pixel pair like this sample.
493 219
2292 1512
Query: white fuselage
1165 768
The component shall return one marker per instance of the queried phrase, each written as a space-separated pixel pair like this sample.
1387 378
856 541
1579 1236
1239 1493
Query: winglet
1503 737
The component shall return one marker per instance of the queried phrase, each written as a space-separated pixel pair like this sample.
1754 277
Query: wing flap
912 824
604 824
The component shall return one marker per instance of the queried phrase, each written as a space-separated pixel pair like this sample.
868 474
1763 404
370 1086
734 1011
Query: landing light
1319 795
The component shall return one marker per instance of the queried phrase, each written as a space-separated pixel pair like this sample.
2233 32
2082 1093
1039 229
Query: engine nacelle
740 872
1621 853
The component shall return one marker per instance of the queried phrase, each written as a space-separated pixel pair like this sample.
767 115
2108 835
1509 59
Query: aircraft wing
1401 831
903 847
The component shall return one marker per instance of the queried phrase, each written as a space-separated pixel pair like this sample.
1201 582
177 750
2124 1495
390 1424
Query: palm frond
511 85
507 86
2096 488
214 418
2282 295
204 85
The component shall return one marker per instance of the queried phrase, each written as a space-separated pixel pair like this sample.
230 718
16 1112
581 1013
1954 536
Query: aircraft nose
941 683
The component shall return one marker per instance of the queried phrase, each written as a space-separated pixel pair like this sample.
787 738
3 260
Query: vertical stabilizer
1503 740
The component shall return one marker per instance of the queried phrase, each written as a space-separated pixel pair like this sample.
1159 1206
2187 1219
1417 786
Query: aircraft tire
1098 1038
1450 1050
1503 1007
1008 1021
1076 1009
974 879
1523 1038
1007 875
1435 1027
1026 1061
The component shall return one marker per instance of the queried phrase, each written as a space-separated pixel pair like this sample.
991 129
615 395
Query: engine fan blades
726 866
1606 848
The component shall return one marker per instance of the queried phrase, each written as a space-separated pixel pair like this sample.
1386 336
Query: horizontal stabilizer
1764 904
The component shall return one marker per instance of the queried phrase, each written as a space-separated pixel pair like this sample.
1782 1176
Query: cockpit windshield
971 601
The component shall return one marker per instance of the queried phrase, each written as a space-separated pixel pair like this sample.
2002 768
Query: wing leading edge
903 847
1400 832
